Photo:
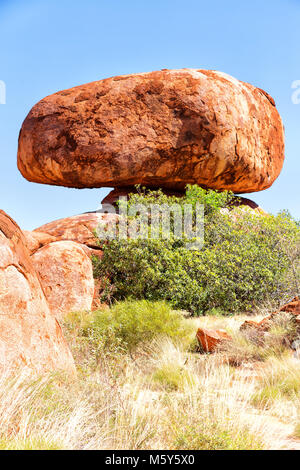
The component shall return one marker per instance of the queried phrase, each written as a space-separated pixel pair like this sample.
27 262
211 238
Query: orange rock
248 324
292 307
66 275
36 240
161 129
211 339
244 202
29 335
79 228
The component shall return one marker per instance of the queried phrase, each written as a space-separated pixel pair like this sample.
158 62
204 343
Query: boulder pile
163 129
212 340
44 275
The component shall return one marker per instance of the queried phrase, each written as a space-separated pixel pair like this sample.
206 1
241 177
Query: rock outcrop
66 275
292 307
29 334
160 129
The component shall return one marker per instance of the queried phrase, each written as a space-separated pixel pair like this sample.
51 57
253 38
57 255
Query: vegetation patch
280 380
247 259
126 326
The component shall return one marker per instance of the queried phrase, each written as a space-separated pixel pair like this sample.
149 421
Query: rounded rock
66 276
160 129
30 336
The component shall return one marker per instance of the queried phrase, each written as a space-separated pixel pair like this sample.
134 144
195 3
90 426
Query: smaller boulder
66 275
249 324
209 340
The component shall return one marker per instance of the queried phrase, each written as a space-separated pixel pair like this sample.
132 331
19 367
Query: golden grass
163 397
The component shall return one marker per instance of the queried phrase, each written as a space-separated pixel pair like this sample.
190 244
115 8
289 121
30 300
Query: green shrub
127 325
247 259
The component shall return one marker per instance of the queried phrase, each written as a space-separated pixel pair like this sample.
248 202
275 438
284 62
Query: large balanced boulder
66 275
29 334
160 129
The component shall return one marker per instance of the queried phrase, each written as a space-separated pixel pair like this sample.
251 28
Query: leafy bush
127 325
247 259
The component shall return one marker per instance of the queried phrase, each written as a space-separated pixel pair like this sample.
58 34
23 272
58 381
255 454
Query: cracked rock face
161 129
30 336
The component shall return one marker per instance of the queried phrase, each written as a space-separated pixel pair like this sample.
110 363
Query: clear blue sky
50 45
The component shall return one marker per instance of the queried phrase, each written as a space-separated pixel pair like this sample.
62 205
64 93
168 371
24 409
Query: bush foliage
247 259
126 326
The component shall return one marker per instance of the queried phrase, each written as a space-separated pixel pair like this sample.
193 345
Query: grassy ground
155 393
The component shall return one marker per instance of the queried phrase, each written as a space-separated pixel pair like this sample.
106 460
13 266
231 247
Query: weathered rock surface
79 228
243 201
161 129
66 275
35 240
29 335
209 340
292 307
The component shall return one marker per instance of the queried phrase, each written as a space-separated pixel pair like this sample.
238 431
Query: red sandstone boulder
66 275
29 335
161 129
209 340
79 228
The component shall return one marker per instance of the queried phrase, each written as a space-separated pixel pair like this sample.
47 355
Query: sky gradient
50 45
